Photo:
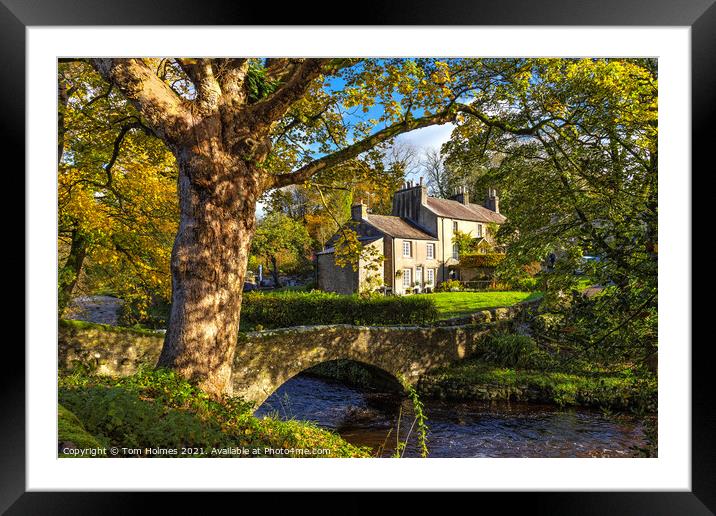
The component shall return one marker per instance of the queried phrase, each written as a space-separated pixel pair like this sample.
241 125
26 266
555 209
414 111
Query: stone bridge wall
267 359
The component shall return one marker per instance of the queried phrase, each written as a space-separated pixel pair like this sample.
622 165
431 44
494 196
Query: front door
419 276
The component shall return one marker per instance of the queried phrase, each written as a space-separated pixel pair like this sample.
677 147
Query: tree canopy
570 143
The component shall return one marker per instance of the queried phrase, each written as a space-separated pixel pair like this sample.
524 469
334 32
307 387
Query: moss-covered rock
72 434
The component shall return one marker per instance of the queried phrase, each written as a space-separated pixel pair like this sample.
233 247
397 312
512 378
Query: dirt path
96 309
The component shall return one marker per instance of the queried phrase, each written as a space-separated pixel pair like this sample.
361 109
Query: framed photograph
429 247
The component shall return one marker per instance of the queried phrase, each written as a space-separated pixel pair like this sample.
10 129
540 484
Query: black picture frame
700 15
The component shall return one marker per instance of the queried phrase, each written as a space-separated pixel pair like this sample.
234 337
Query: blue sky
431 137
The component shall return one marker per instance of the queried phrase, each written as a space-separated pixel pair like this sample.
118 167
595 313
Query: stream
455 429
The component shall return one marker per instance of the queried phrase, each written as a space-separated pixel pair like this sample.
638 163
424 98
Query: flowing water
456 429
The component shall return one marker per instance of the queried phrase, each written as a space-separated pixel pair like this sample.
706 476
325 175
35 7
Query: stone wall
519 311
110 349
267 359
332 278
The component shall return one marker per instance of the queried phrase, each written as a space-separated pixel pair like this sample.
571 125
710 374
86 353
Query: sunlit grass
456 304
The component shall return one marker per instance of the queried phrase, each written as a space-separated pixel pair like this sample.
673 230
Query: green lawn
456 304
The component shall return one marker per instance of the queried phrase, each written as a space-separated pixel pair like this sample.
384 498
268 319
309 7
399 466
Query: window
407 249
407 278
430 277
455 252
430 250
479 230
454 226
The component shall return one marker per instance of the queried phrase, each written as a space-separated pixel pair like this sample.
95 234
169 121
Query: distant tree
117 206
437 177
278 237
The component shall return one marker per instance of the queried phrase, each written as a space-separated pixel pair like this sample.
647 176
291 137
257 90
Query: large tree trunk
217 198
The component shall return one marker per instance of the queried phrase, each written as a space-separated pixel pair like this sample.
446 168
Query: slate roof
397 227
457 210
363 239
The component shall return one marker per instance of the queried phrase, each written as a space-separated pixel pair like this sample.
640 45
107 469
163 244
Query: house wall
411 203
445 235
419 258
331 278
364 270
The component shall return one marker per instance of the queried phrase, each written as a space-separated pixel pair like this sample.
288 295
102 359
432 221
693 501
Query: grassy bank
514 367
157 409
475 379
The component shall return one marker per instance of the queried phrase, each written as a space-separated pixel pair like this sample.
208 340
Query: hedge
310 308
481 260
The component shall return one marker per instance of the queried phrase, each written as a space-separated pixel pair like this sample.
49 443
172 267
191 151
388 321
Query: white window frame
407 278
479 231
455 252
430 251
419 281
430 277
407 245
454 226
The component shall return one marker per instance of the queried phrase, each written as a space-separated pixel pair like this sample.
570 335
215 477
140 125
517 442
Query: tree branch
408 124
273 107
201 74
305 172
159 105
231 75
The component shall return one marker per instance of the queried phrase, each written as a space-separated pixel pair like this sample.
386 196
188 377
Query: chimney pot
359 211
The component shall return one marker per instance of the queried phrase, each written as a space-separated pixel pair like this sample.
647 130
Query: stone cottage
416 240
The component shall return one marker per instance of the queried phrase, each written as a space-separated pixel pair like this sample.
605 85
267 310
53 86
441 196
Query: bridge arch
266 360
351 374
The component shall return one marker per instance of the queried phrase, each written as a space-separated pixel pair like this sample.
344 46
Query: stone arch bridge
267 359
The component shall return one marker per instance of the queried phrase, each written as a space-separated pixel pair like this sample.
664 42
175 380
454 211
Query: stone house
416 240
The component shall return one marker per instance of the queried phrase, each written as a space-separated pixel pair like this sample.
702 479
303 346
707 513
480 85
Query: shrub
513 350
307 308
157 408
449 286
126 420
473 260
526 284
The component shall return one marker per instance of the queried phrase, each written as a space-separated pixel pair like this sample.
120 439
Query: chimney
462 196
359 211
492 201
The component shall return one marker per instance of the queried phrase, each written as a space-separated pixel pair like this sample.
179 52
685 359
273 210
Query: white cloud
428 137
